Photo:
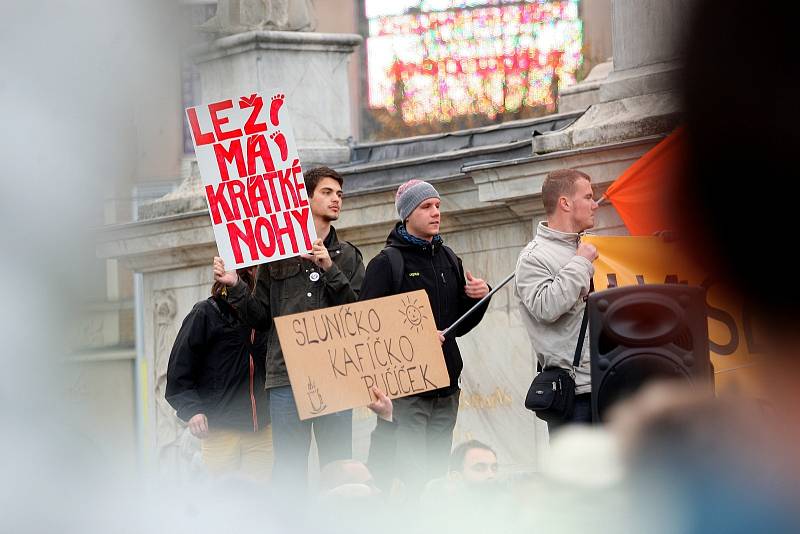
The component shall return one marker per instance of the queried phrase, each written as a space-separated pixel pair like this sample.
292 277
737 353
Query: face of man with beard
326 200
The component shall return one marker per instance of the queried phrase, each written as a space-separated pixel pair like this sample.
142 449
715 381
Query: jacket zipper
438 296
252 375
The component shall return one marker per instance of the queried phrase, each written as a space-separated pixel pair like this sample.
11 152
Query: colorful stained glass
434 60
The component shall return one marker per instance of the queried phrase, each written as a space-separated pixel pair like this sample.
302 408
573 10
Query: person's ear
563 202
454 476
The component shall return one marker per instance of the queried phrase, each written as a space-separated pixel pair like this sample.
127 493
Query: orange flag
640 194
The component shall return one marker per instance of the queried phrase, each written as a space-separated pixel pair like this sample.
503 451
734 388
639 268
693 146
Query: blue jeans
581 413
291 439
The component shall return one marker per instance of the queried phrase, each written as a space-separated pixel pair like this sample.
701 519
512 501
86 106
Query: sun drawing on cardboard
412 313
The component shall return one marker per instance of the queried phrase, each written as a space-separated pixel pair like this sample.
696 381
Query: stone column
647 38
638 98
310 68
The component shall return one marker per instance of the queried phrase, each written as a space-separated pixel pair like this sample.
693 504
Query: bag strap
584 323
396 263
452 258
579 349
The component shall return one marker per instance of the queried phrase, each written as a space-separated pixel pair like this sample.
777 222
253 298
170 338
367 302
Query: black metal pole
472 309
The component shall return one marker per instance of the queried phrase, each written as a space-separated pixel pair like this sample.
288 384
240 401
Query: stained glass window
435 60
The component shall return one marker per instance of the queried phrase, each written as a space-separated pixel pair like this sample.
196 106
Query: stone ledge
518 183
644 80
586 93
617 121
276 40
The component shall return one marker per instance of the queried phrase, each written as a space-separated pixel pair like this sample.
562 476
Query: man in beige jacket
553 278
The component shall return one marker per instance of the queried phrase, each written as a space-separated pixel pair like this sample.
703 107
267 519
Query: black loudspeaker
643 333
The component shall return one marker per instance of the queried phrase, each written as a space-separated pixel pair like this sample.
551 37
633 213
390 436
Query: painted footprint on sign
412 314
314 396
275 107
280 140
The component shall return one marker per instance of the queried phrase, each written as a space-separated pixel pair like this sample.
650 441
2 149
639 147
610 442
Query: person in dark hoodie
416 258
215 381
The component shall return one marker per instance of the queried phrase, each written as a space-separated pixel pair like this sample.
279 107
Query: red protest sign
252 179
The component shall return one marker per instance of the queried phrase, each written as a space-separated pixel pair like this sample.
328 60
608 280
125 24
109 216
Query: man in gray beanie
416 258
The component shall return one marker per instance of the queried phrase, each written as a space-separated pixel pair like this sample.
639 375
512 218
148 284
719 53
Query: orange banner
641 194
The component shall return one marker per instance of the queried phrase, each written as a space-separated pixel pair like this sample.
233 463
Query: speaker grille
629 373
639 334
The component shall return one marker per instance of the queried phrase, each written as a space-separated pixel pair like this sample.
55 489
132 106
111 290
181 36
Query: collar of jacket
568 238
332 241
395 239
225 309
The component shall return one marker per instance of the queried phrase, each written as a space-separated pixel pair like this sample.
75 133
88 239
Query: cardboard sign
732 329
335 355
253 181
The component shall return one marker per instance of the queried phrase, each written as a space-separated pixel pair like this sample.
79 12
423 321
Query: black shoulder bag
552 392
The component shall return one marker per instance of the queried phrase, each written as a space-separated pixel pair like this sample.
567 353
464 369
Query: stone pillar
637 99
311 68
647 38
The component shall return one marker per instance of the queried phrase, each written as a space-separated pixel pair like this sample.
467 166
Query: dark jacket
382 453
427 267
216 370
287 286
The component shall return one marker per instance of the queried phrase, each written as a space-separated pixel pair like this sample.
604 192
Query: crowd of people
227 380
227 358
669 459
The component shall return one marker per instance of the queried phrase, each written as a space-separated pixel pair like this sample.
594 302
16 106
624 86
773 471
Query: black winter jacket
428 267
215 369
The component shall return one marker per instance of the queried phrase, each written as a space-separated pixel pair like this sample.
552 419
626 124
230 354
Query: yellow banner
732 331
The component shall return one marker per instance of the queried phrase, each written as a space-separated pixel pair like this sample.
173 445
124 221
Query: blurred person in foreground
472 471
700 464
724 90
730 464
215 381
347 488
474 463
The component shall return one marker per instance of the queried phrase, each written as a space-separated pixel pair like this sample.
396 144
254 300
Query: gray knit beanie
410 195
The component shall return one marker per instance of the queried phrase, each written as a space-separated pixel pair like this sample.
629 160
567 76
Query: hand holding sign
382 406
229 278
319 255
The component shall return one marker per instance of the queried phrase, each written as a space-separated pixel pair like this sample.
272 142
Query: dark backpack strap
584 323
359 255
397 264
452 258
